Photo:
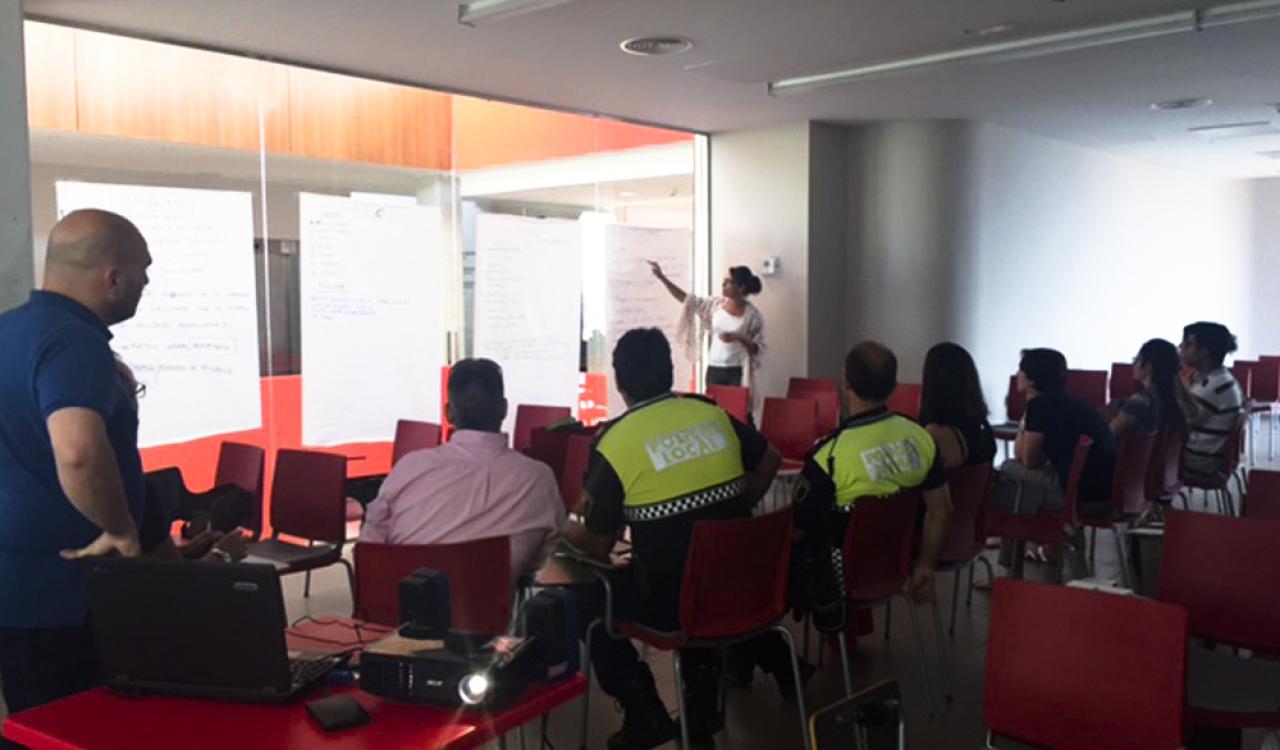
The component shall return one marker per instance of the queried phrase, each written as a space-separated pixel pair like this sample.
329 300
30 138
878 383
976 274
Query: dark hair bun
743 277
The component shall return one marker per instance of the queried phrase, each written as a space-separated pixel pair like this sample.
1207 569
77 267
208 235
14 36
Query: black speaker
550 623
424 605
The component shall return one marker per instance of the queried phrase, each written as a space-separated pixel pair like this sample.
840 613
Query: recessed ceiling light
1004 27
1173 105
654 46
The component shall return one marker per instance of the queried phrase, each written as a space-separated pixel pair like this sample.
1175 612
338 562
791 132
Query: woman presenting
735 325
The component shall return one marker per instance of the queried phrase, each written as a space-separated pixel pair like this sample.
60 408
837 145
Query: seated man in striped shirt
1211 401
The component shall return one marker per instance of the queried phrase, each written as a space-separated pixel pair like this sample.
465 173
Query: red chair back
791 424
575 470
1122 383
1164 473
828 410
1242 371
1074 669
1090 386
1263 500
1129 483
1226 573
245 467
732 398
413 436
1044 528
970 486
877 545
308 495
1266 379
735 577
549 446
1015 404
530 417
905 400
479 574
800 386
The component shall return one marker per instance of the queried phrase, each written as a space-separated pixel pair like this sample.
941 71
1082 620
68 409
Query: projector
486 675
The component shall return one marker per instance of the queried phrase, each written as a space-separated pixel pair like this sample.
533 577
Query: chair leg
351 582
1019 560
844 664
955 596
1122 556
306 580
684 714
1093 545
586 695
795 673
968 594
991 572
943 660
920 653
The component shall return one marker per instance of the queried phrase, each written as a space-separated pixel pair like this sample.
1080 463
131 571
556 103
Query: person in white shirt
1211 400
735 326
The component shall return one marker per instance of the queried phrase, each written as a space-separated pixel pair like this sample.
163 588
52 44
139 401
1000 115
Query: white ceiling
568 57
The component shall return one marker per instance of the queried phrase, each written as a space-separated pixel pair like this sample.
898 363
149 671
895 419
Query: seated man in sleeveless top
667 463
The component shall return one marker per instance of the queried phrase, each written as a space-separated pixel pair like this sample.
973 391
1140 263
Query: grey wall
16 269
828 249
1264 270
760 207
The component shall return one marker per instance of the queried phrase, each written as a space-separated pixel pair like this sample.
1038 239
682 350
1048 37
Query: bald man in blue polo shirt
71 481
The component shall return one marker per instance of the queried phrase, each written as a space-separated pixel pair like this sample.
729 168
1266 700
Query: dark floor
757 718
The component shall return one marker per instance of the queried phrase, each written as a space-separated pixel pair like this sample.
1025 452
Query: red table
101 720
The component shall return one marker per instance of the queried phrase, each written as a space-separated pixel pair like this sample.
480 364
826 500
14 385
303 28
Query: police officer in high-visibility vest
667 463
874 453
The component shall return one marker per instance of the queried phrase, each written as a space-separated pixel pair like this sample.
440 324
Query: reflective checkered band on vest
837 564
685 504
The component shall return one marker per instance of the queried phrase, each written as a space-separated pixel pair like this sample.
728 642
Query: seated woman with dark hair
1054 422
1154 406
952 408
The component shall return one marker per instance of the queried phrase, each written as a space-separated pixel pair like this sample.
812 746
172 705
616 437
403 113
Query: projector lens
473 688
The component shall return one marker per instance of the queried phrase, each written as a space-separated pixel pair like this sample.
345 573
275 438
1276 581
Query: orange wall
103 84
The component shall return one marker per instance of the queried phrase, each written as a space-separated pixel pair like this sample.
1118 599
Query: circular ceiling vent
654 46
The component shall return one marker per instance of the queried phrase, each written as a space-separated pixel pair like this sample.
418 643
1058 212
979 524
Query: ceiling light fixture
474 11
655 46
1235 130
1046 44
1174 105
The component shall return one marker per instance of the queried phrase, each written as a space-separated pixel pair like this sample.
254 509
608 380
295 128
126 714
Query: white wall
16 273
760 207
1264 272
1093 254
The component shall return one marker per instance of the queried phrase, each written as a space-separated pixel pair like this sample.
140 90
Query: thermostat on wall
771 266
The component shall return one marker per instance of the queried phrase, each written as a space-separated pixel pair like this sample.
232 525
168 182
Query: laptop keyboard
306 671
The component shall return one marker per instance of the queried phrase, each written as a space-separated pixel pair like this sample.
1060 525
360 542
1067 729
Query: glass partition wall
325 245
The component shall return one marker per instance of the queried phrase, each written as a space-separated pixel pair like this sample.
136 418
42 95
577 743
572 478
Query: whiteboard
528 307
372 317
638 300
194 340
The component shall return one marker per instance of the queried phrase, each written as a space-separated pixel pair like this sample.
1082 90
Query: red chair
530 417
1015 404
1080 670
479 574
1220 489
876 563
791 424
798 386
828 414
308 501
548 446
1266 380
1041 528
1164 476
732 398
1263 500
970 487
734 588
413 436
1226 573
1090 386
1122 384
905 400
1242 371
243 466
574 472
1129 498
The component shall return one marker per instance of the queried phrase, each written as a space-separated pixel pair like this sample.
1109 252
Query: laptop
202 630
